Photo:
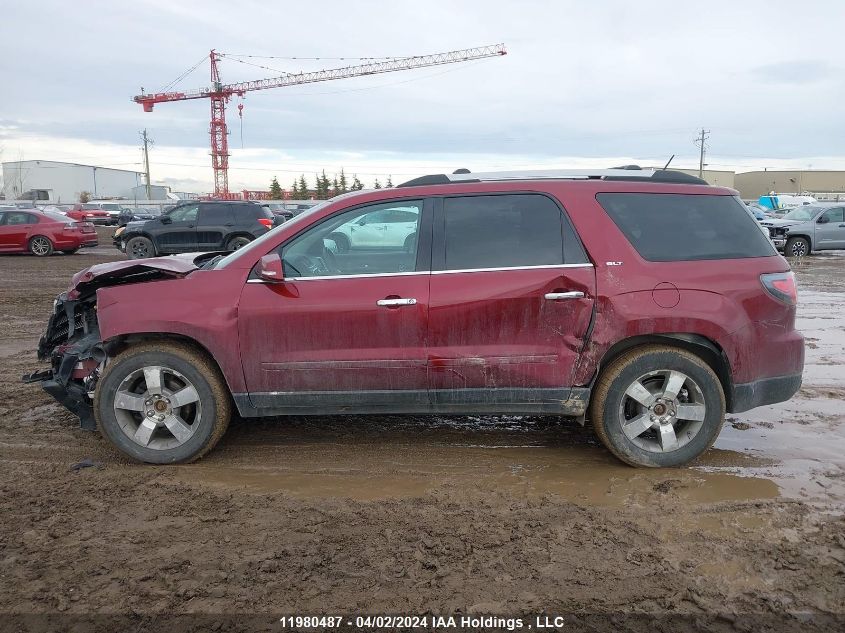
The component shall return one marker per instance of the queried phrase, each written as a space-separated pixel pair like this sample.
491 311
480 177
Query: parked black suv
196 226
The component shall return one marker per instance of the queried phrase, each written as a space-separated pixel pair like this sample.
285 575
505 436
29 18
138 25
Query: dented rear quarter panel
722 300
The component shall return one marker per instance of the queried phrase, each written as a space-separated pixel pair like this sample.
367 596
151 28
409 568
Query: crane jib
219 93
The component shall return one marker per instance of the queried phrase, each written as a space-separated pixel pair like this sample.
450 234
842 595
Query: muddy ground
414 514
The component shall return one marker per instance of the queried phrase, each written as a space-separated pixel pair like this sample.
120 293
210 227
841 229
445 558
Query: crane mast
219 93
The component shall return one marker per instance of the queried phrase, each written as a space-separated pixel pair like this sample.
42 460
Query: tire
173 434
649 443
71 251
237 242
342 242
797 247
40 246
139 248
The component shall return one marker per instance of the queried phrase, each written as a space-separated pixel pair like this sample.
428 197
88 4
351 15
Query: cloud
797 72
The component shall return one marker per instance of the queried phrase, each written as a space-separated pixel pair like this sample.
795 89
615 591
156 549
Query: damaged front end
72 343
73 347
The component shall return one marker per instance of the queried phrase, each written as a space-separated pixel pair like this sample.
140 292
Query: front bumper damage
72 345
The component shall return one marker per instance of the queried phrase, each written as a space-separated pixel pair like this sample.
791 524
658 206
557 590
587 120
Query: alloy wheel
157 407
40 246
662 411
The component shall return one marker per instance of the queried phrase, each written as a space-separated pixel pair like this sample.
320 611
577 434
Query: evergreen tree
335 187
357 185
389 182
294 190
303 188
377 184
342 182
275 189
325 185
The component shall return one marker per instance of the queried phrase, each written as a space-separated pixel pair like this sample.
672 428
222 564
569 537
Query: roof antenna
671 158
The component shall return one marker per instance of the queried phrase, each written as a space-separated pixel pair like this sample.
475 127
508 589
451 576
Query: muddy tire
162 403
657 407
237 243
140 248
40 246
797 247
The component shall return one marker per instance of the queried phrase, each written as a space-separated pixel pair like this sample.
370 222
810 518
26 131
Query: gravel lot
414 514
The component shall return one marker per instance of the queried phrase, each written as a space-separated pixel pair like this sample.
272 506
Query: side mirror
823 220
166 219
270 268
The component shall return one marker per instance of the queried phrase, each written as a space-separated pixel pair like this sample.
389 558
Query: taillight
781 286
71 226
266 222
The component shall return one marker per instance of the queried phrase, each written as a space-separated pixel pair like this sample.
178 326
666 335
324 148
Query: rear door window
215 214
506 231
665 227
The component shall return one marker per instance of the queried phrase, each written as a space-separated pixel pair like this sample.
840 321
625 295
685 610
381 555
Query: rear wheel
162 403
658 406
237 242
139 248
797 247
40 246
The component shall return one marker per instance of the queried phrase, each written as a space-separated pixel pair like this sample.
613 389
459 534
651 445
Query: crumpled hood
148 269
781 222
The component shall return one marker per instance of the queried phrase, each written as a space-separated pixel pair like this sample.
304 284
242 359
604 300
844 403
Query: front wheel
140 248
162 403
658 406
40 246
797 247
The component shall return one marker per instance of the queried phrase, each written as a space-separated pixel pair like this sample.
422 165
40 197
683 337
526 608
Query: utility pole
147 143
700 141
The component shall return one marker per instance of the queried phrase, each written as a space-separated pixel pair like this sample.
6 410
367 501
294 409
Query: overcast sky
583 84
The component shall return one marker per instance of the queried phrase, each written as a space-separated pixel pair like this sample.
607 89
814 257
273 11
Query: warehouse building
64 182
753 184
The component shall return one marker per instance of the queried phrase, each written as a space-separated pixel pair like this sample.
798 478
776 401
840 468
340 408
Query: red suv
643 300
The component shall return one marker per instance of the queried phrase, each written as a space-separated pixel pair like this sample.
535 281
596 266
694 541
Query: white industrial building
64 182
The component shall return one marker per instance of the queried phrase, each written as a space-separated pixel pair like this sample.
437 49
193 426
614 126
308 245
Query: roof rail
628 172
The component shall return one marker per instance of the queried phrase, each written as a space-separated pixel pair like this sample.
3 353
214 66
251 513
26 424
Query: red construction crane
220 93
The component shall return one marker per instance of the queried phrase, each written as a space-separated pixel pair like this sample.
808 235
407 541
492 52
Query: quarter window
667 227
503 231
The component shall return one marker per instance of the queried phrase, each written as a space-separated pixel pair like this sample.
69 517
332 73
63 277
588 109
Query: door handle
395 302
560 296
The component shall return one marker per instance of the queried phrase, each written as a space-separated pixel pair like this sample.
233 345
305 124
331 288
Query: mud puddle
526 459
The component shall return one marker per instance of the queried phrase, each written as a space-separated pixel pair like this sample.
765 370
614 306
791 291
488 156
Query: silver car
809 228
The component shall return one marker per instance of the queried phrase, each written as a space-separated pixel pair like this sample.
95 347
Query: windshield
257 244
803 213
